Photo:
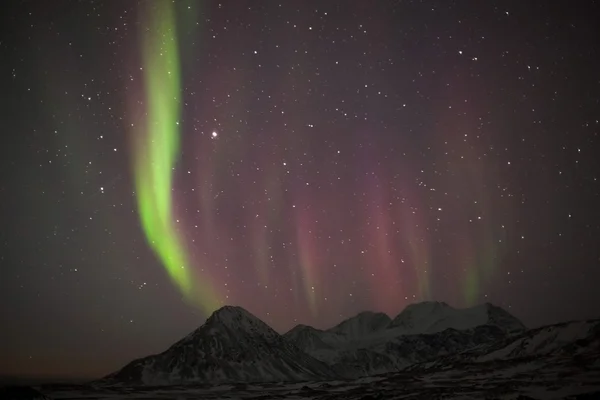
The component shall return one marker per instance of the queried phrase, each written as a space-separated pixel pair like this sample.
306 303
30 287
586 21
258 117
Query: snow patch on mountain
578 342
232 346
235 346
363 324
309 338
545 340
432 317
372 343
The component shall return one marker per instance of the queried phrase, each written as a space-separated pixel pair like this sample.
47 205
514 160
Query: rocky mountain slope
561 361
432 317
364 324
372 343
484 353
578 341
405 350
233 345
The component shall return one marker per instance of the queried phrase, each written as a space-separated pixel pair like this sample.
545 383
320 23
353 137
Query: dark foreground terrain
560 361
525 379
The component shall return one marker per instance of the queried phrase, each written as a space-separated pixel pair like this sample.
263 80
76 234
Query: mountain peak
307 337
228 312
370 314
363 323
301 330
301 327
232 345
239 319
429 305
433 316
502 318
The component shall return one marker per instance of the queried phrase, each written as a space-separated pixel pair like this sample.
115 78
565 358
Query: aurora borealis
156 147
304 160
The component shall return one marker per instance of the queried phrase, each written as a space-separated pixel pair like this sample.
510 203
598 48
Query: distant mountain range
235 346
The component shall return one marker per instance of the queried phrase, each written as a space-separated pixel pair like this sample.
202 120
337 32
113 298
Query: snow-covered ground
486 362
531 379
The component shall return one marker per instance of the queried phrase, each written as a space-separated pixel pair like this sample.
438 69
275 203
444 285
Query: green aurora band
156 150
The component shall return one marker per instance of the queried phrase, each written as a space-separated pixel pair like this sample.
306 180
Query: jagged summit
306 337
303 330
433 316
429 303
500 317
418 317
237 317
301 327
231 346
364 323
428 306
231 310
229 321
227 314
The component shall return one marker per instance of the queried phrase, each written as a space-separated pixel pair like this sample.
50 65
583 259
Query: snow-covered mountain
232 346
363 324
490 360
432 317
573 340
372 343
568 338
405 350
311 339
235 346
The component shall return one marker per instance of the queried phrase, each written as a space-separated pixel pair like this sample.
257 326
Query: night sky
306 160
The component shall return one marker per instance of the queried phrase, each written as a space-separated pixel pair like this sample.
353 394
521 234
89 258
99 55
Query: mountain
560 361
432 317
494 359
569 346
309 338
372 343
235 346
232 346
400 352
503 320
568 338
363 324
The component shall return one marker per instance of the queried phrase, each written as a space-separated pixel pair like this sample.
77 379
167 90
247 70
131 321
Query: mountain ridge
233 345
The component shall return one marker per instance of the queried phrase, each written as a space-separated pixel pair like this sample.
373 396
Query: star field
304 160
